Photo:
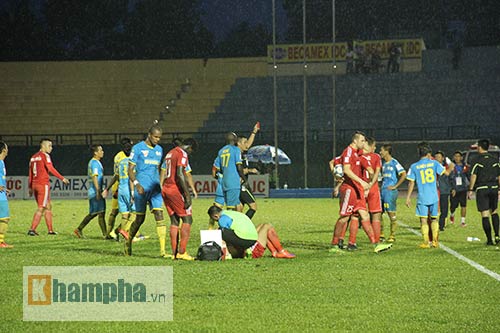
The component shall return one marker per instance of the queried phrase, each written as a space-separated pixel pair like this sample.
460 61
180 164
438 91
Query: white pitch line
457 255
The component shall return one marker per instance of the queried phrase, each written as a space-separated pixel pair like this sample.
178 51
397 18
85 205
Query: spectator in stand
349 59
359 59
394 58
376 60
444 188
367 62
459 181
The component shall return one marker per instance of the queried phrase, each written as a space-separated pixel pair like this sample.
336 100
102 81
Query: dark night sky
220 16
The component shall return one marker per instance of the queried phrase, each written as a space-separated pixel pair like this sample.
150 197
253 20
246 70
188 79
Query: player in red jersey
39 185
352 198
373 199
176 196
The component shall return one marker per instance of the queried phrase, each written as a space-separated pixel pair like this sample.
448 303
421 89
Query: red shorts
174 201
258 250
350 200
373 200
41 193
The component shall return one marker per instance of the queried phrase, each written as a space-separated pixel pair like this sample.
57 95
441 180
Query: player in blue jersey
4 205
424 173
121 192
97 203
219 193
230 165
393 175
144 173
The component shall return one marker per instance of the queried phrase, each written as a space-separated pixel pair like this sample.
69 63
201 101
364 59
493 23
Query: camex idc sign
81 293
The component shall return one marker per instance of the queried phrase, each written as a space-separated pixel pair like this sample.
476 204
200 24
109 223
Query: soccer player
246 195
144 173
393 175
176 196
424 173
373 198
459 184
352 198
97 203
113 185
4 192
39 185
229 164
244 239
444 189
120 187
219 192
485 180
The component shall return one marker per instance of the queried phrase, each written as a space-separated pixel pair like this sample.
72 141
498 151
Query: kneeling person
242 237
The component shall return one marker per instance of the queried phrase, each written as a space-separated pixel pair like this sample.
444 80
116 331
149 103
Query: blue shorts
152 198
4 210
389 200
96 206
232 197
219 195
424 210
124 205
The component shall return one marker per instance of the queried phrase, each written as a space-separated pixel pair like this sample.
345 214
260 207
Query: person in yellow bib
243 239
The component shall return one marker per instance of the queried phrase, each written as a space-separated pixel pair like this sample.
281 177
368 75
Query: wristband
136 182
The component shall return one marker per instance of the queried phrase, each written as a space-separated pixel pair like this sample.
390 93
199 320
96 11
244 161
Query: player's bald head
231 138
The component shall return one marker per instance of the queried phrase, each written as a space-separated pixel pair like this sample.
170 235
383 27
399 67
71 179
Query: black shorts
487 198
246 196
231 239
460 198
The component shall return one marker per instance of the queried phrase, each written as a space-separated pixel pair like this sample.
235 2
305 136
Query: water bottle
473 239
285 186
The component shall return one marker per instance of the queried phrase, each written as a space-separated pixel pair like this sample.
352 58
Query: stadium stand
102 97
438 103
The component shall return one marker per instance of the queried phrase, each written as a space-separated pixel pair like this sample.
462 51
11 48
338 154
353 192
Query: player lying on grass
244 239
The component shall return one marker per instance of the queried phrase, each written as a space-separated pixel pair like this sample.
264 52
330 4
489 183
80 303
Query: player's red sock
272 237
271 248
185 232
353 230
376 230
48 220
36 220
174 234
367 227
344 230
337 232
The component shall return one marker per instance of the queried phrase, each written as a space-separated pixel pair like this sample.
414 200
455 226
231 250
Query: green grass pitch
403 290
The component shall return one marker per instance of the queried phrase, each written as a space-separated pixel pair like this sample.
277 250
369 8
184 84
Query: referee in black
485 180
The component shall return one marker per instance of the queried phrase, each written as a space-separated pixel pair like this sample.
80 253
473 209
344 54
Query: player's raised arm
251 138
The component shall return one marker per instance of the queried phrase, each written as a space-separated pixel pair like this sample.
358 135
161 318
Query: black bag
210 251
